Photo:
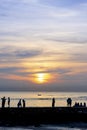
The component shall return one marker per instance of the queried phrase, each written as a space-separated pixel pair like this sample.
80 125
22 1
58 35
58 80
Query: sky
43 45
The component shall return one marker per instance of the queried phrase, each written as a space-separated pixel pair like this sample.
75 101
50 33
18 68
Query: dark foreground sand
41 115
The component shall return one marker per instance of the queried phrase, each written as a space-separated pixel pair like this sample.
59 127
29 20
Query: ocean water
44 99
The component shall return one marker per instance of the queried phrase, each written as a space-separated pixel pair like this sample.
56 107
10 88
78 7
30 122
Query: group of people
21 102
77 104
4 101
69 102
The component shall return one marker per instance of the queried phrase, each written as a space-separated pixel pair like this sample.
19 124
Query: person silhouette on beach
3 102
23 102
84 104
53 102
19 103
8 101
69 102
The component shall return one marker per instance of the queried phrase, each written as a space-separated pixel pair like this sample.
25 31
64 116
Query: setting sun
42 77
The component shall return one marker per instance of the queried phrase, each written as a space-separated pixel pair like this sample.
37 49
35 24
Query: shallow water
42 99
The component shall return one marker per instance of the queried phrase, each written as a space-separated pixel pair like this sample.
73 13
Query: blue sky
43 36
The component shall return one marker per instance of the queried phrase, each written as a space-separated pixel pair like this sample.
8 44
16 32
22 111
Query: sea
44 99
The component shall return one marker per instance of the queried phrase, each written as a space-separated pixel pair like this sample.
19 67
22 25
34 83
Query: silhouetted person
19 103
3 102
23 102
53 102
8 101
81 104
76 104
84 104
69 102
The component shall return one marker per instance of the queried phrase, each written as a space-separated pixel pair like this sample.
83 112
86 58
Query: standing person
69 102
53 102
19 103
23 102
3 102
8 101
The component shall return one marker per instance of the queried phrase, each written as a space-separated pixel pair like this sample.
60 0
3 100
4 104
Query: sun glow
42 78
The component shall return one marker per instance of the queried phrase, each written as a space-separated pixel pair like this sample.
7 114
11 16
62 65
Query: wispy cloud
19 53
28 20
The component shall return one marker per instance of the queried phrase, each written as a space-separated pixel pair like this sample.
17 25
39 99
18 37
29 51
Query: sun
41 78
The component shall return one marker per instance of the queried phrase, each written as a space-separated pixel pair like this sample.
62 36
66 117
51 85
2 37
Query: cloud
63 3
79 57
9 69
10 52
25 20
58 70
28 53
74 39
